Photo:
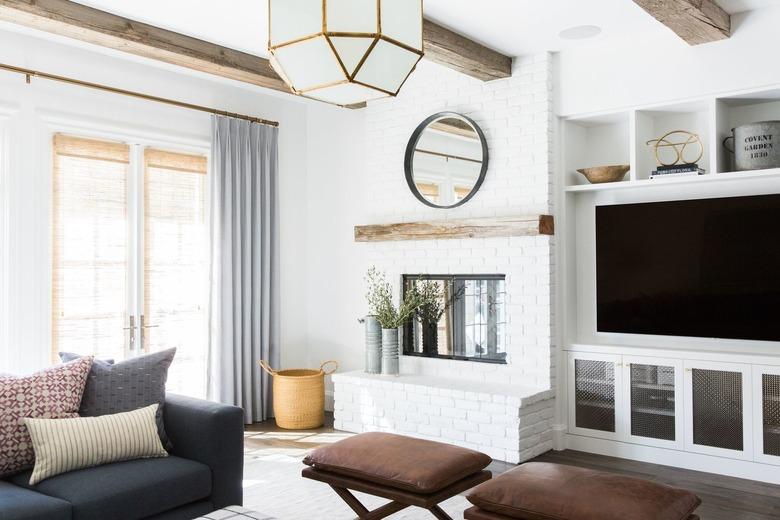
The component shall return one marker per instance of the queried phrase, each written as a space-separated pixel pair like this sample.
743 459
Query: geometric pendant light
345 51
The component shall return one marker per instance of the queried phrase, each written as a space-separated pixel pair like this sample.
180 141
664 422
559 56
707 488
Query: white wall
599 78
336 202
28 115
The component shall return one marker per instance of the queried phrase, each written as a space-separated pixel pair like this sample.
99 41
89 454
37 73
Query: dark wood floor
724 498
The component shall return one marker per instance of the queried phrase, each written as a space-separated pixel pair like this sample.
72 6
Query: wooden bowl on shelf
600 174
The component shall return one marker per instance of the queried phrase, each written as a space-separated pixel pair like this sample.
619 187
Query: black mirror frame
412 146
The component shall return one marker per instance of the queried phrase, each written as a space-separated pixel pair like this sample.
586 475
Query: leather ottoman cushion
400 462
543 491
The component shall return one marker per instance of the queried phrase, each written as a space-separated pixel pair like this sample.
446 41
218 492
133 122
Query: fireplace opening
467 320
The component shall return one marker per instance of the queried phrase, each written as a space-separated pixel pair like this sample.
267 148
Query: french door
130 254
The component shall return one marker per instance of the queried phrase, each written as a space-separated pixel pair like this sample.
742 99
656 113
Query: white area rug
273 482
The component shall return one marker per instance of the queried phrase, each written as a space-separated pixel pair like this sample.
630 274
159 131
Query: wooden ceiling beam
90 25
457 52
695 21
83 23
80 22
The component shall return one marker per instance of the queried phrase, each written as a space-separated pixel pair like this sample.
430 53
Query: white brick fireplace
508 422
504 410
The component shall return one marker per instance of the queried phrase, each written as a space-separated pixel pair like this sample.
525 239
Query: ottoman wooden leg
363 513
399 499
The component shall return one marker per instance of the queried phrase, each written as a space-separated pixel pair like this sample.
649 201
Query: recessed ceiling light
580 32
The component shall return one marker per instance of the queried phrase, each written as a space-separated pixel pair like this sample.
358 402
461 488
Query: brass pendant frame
348 78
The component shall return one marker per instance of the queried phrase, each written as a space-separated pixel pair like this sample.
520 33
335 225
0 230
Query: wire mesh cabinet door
766 414
718 409
653 390
595 395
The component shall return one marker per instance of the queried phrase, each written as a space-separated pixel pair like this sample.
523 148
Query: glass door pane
717 398
90 247
653 401
595 388
176 263
770 386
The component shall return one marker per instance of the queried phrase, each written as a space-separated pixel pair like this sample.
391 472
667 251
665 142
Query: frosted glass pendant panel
370 45
346 94
351 51
294 19
402 21
387 67
353 16
309 64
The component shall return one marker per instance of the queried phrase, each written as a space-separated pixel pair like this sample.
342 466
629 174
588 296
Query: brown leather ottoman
543 491
406 471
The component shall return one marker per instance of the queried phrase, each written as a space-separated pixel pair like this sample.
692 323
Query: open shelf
621 137
655 123
672 181
733 111
596 141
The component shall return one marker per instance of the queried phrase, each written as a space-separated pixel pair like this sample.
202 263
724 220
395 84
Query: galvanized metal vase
755 146
390 363
373 345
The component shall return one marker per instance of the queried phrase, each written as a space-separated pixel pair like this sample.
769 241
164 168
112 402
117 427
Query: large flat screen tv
698 268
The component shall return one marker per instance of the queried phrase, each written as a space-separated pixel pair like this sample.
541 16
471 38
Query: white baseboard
679 459
559 437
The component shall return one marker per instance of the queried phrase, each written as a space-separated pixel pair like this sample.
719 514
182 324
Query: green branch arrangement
433 302
380 301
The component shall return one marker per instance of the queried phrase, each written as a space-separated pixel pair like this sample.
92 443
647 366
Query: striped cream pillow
63 445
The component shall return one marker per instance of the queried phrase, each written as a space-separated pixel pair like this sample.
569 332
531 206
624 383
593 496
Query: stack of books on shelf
678 170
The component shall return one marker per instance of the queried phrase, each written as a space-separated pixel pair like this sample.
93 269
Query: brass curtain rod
28 73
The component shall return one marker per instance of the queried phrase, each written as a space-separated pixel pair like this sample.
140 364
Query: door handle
144 325
131 328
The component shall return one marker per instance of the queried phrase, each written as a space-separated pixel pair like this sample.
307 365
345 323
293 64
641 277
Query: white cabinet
595 395
675 408
626 398
766 414
694 406
718 399
654 401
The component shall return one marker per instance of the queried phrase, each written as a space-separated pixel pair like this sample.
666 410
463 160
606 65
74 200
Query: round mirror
446 160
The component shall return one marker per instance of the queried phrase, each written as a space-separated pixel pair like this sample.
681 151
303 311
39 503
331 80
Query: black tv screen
697 268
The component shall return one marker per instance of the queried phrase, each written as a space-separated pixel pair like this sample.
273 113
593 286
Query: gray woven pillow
126 386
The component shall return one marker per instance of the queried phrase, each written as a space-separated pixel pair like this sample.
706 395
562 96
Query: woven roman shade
176 263
89 245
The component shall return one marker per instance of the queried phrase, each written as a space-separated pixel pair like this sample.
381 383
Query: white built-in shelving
621 137
599 414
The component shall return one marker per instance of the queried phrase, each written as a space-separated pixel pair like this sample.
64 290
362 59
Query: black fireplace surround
472 326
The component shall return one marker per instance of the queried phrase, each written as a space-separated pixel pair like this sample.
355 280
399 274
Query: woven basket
299 396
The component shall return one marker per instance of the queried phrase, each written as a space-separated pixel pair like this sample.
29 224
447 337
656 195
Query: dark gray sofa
203 473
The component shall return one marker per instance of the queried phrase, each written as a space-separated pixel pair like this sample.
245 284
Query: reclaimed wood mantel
527 225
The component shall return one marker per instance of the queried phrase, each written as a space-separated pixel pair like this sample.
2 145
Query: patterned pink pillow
54 393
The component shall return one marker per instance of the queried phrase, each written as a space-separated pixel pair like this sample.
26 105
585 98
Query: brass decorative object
601 174
685 140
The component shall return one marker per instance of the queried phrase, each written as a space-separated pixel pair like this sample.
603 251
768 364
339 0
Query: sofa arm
213 434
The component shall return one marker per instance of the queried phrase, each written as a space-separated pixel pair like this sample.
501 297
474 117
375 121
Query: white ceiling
514 27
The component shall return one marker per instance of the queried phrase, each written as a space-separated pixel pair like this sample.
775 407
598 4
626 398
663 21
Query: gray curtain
245 274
